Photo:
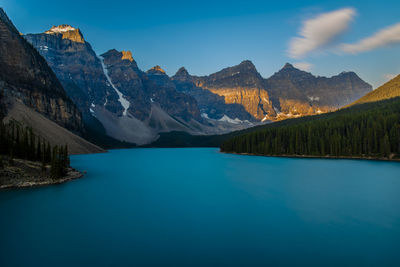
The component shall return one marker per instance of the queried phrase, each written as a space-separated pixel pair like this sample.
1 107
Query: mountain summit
127 55
156 70
182 72
247 64
26 77
32 96
288 66
242 85
67 32
60 29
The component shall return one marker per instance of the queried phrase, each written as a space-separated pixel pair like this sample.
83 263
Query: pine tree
1 162
38 149
366 130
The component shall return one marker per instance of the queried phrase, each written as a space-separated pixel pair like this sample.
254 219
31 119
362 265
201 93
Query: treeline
21 142
368 130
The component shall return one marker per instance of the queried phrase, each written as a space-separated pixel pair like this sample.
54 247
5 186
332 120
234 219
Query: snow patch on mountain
313 98
44 48
228 119
60 29
205 116
124 102
266 117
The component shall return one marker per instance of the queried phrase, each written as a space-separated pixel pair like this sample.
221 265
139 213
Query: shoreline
313 157
72 174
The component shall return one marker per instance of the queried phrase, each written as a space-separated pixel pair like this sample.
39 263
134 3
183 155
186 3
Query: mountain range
135 106
288 93
111 91
108 95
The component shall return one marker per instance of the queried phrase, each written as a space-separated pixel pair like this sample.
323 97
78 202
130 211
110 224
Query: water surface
186 207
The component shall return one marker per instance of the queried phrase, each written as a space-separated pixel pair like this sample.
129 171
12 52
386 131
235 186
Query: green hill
388 90
370 130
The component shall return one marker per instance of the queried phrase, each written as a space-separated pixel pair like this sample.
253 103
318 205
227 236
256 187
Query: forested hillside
367 130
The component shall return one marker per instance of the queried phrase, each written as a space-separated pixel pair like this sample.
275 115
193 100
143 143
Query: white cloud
303 65
320 31
386 36
389 76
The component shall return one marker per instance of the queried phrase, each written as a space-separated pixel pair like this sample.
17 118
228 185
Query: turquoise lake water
198 207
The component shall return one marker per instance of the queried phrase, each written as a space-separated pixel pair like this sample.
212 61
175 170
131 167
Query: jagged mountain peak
67 32
127 55
246 67
247 63
25 77
347 73
288 70
156 70
182 75
288 66
114 56
182 72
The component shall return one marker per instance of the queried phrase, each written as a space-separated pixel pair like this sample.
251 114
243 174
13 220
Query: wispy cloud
386 36
303 66
320 31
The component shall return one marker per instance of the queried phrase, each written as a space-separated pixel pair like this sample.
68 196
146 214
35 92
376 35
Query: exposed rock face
241 84
141 89
163 91
127 55
288 93
127 78
112 89
210 104
26 77
67 32
156 70
297 93
78 68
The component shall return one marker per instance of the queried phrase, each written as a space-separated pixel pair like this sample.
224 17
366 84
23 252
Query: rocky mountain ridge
133 105
110 89
288 93
32 96
296 93
211 105
26 77
240 84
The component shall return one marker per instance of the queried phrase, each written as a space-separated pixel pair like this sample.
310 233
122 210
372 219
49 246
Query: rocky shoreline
27 174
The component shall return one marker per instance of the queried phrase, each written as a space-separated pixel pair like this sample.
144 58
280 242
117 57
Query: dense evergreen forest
367 130
21 142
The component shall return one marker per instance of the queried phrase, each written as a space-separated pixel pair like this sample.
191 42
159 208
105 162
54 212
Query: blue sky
206 36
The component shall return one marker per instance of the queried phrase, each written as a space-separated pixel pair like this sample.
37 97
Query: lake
197 207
